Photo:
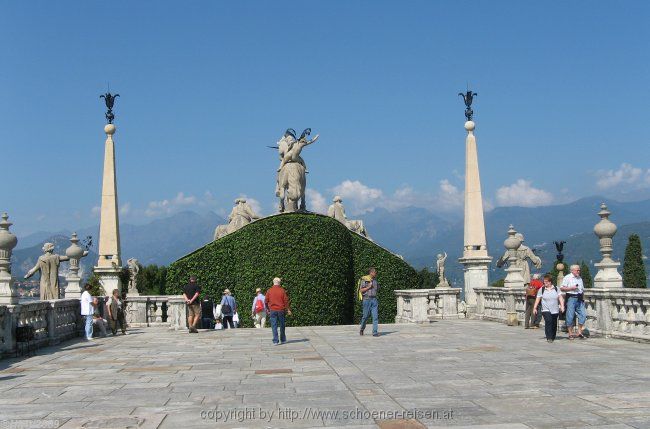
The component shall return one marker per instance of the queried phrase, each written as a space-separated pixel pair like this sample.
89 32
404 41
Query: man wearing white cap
228 308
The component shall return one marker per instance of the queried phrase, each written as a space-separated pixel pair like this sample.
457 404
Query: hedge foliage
318 259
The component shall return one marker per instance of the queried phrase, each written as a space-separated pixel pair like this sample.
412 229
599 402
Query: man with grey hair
277 304
575 304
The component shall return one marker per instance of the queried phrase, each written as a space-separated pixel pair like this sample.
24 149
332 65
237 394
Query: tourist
368 288
574 287
552 303
207 313
115 307
88 304
191 293
100 323
258 311
530 317
277 304
228 309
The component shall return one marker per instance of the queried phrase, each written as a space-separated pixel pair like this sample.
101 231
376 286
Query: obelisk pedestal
475 256
109 267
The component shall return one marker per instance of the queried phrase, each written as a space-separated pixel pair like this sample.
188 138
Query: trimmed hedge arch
317 257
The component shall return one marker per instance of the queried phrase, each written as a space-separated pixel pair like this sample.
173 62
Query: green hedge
317 257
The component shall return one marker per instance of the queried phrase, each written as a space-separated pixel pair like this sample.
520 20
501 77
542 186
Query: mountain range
414 233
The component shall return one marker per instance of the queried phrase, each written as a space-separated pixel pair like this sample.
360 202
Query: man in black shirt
191 293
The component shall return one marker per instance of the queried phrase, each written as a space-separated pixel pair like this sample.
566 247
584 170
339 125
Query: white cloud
523 194
316 202
626 174
155 208
360 197
125 209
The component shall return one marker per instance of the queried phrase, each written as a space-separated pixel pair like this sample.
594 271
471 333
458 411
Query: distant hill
159 242
415 233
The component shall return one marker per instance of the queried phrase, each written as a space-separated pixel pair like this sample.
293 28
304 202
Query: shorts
194 310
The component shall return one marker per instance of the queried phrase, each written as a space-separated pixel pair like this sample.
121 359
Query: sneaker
375 334
90 339
276 344
361 332
125 333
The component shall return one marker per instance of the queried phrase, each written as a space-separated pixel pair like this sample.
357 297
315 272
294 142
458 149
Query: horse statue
291 176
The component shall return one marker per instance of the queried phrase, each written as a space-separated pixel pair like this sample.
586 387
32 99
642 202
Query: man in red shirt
277 303
531 295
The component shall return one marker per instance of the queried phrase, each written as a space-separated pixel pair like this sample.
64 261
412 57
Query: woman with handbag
552 304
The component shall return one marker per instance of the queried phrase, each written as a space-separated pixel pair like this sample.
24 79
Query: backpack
226 309
554 287
361 280
259 306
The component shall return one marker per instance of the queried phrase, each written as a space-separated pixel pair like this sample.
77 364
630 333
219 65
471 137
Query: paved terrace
457 373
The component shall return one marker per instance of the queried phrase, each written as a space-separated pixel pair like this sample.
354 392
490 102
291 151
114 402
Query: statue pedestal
109 279
73 289
514 278
8 293
443 285
476 275
608 275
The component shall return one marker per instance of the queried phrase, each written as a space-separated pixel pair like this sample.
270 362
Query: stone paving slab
448 374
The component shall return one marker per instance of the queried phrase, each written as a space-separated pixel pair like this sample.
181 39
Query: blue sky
205 86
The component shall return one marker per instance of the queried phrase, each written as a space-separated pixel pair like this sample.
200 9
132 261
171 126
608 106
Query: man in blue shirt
228 309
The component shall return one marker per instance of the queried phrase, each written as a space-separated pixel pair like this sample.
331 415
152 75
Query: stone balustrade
52 322
156 310
616 313
426 305
619 313
59 320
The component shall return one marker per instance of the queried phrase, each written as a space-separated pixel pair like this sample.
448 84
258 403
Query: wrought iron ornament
559 246
468 97
110 101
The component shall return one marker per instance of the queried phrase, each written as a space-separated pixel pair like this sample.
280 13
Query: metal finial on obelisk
109 99
468 98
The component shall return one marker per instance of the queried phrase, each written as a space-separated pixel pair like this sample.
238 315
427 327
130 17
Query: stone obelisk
475 256
109 265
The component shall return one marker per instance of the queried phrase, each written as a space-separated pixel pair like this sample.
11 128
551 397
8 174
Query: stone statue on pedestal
48 265
241 215
440 268
291 180
522 253
134 268
337 211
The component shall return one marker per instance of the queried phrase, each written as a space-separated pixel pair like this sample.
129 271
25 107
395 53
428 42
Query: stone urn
75 253
7 243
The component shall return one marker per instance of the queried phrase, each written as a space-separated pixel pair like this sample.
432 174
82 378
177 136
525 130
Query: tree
587 281
152 280
427 279
498 283
633 267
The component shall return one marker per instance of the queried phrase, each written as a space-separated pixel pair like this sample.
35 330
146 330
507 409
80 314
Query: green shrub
318 259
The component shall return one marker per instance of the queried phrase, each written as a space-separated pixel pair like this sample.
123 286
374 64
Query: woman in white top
552 304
